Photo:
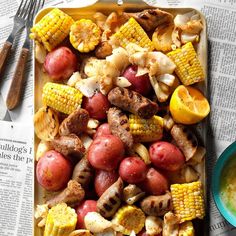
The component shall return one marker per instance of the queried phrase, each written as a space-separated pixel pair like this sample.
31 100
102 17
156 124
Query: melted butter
228 185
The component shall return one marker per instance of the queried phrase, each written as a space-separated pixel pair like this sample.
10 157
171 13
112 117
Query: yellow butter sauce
228 185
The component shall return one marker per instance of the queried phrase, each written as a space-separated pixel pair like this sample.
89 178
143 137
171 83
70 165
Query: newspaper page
16 179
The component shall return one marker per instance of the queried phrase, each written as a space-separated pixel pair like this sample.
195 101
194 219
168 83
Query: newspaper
16 179
221 18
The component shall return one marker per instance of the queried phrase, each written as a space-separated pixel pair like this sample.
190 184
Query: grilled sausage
119 126
157 205
133 102
151 18
83 172
185 140
68 145
75 123
110 200
71 195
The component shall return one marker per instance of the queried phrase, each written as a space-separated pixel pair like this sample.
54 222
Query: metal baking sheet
107 7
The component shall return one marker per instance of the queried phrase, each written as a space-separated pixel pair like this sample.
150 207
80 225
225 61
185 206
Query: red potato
97 106
140 84
166 156
155 183
53 171
103 180
60 63
132 170
103 129
106 152
82 210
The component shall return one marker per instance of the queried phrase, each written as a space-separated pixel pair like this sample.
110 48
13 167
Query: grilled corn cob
188 200
146 130
132 32
186 229
84 35
46 124
61 221
130 218
188 67
61 97
52 29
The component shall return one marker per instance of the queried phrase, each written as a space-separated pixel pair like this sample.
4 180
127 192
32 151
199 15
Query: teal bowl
221 162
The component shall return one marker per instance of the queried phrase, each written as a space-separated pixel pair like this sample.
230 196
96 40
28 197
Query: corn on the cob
52 29
84 35
46 124
146 130
132 32
61 221
130 218
188 67
61 97
188 200
186 229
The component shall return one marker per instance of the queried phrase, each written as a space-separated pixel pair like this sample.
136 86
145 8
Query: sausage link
133 102
157 205
119 126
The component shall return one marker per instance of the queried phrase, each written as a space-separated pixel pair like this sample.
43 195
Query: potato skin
155 183
53 171
106 152
166 156
132 170
103 129
103 180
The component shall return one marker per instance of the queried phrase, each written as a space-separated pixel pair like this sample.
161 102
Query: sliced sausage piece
157 205
68 145
83 172
75 123
151 18
119 126
71 195
110 200
185 140
133 102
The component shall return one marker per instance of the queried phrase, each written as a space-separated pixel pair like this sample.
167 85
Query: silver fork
16 88
19 23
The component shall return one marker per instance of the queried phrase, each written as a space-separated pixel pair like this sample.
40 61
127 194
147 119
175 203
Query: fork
16 88
19 23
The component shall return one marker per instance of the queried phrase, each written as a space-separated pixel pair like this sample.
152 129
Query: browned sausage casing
71 195
69 145
133 102
110 201
83 172
75 123
151 18
157 205
185 140
119 126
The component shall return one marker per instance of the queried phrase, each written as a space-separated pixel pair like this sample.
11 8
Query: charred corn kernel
61 97
130 218
61 221
146 130
186 229
85 35
46 124
188 200
142 151
52 29
132 32
188 67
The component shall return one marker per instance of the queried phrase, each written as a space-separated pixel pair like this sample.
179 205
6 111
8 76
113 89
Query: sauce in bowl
228 185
